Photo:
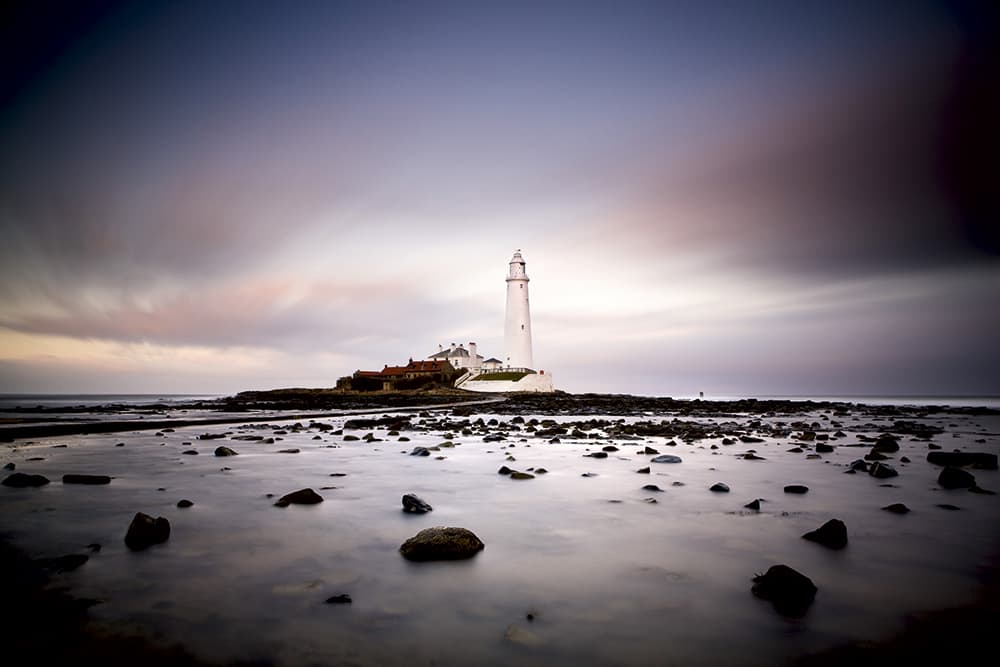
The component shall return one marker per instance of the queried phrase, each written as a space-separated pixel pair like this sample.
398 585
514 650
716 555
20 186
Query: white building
459 357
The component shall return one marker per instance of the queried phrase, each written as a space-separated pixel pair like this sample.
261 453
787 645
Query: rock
728 441
597 455
886 443
977 459
650 450
753 505
956 478
882 471
651 487
190 452
521 475
441 543
796 488
292 450
145 531
541 471
790 592
666 458
9 466
750 439
824 448
719 487
897 508
750 456
66 563
589 474
876 456
300 497
86 479
946 506
184 502
343 598
504 470
832 534
351 438
420 451
20 480
609 448
225 451
859 465
904 459
415 505
643 471
795 450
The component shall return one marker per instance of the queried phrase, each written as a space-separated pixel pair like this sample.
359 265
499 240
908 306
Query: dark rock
643 471
790 592
300 497
597 455
931 445
719 487
9 466
184 502
753 505
20 480
609 448
145 531
728 441
795 450
882 471
650 450
589 474
351 438
832 534
796 488
956 478
441 543
677 484
977 459
750 439
750 456
823 448
521 475
897 508
666 458
343 598
414 505
651 487
420 451
86 479
66 563
225 451
859 465
541 471
886 443
504 470
904 459
292 450
190 452
875 456
946 506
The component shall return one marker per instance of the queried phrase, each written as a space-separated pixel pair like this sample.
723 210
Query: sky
735 198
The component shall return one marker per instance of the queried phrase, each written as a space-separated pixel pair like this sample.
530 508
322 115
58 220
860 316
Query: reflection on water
607 583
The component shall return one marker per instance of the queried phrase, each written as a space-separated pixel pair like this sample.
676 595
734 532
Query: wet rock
651 487
882 471
875 456
904 459
86 479
956 478
292 450
728 441
886 443
300 497
504 470
609 448
184 502
521 475
225 451
145 531
190 452
343 598
643 471
796 488
650 450
751 456
414 505
589 474
750 439
351 438
950 508
956 459
20 480
441 543
9 466
541 471
719 487
823 448
790 591
897 508
597 455
795 450
420 451
832 534
666 458
859 465
753 505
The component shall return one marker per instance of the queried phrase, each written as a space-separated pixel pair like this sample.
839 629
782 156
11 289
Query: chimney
453 348
440 347
472 350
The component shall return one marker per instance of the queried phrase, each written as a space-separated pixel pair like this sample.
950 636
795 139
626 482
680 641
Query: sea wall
534 382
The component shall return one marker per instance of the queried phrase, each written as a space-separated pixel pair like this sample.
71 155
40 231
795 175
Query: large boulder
145 531
300 497
20 480
982 460
956 478
882 471
225 451
442 543
790 591
414 505
832 534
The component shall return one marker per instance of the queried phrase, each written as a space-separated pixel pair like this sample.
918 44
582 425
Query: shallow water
608 583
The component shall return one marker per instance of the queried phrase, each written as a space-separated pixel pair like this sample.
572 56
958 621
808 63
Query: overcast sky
730 197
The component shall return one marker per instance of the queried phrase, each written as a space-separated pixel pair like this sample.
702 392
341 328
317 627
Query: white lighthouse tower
517 326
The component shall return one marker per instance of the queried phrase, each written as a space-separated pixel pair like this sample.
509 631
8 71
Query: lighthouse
517 326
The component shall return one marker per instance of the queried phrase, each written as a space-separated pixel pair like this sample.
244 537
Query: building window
522 327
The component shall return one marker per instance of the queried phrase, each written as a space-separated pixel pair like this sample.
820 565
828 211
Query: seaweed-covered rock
790 591
145 531
442 543
832 534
